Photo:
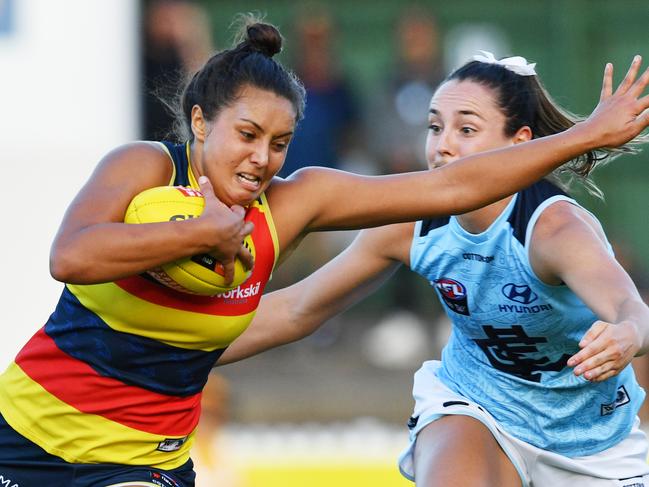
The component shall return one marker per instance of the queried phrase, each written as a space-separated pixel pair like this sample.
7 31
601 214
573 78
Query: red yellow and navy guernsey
116 373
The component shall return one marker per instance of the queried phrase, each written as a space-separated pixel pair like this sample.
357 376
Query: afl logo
450 288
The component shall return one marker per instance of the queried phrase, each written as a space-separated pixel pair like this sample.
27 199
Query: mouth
249 181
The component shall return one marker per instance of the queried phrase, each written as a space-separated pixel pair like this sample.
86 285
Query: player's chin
245 198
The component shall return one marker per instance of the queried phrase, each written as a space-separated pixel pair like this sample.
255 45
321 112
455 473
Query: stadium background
330 410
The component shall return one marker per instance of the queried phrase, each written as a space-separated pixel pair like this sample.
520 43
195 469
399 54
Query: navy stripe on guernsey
179 155
431 224
527 202
140 361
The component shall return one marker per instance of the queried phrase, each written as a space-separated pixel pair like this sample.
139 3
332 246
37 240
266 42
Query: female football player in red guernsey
108 392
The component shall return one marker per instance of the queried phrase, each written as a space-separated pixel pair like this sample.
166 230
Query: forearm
108 251
481 179
464 185
277 322
295 312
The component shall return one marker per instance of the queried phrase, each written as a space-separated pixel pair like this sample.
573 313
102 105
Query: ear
199 124
522 135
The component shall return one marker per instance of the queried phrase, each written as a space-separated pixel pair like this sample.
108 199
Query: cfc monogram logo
513 351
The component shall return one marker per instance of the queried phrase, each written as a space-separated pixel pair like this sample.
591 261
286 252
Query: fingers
593 332
228 271
601 372
643 118
607 354
607 82
644 104
247 228
208 191
244 254
640 85
630 76
246 258
231 228
238 210
590 348
206 185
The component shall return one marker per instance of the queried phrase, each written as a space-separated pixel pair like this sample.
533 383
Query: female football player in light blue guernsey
534 387
108 391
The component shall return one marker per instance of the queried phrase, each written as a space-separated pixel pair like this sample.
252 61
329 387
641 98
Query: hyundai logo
520 294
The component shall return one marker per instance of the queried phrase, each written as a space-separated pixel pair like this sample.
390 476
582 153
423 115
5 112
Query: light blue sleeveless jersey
512 334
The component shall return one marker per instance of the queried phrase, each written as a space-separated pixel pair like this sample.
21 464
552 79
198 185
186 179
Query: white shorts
623 465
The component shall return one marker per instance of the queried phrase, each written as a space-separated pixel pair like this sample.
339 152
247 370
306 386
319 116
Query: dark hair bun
264 38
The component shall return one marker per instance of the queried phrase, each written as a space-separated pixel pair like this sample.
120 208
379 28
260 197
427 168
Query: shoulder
532 201
300 198
147 162
564 235
142 151
563 217
281 189
307 178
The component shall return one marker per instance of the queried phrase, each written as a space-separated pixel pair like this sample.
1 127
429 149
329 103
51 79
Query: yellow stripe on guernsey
80 438
173 166
190 174
124 312
264 208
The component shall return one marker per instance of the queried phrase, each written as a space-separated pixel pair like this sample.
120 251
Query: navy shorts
25 464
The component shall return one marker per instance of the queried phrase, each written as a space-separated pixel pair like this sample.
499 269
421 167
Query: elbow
59 268
65 266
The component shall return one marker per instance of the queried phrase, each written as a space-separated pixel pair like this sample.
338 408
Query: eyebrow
434 111
258 127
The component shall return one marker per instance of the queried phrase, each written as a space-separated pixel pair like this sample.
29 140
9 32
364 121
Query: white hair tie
517 64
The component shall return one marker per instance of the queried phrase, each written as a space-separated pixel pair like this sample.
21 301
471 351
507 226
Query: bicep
121 175
317 199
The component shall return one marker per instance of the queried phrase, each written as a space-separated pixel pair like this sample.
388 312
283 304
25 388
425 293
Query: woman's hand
228 229
621 115
606 349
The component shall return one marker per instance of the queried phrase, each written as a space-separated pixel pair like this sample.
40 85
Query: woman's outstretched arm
353 201
295 312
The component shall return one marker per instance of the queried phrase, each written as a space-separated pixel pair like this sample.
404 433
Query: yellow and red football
199 274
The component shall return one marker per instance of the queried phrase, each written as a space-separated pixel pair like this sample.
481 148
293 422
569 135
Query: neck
195 159
478 221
